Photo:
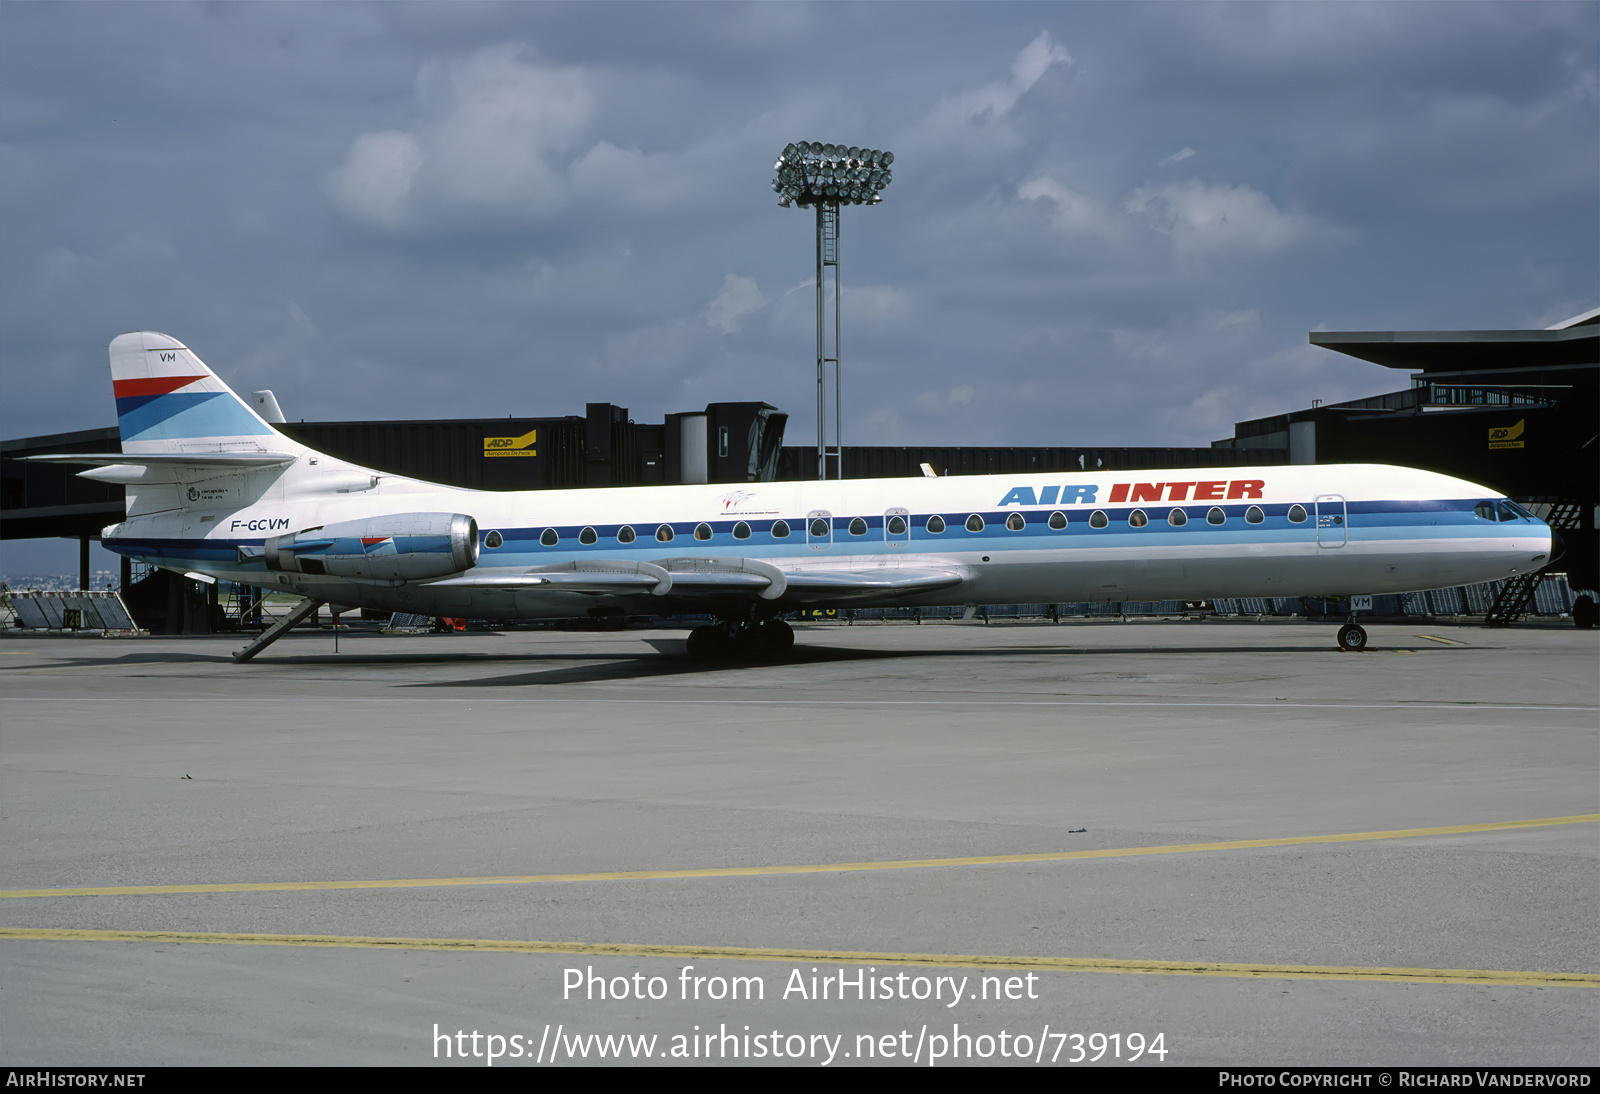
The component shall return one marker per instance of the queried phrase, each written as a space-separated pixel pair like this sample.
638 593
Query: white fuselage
1218 532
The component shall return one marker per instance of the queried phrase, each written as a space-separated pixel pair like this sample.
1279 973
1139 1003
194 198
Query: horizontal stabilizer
167 467
238 460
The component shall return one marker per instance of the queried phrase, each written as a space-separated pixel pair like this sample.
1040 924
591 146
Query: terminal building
1515 410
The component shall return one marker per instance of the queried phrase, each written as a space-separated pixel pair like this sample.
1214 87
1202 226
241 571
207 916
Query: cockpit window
1501 511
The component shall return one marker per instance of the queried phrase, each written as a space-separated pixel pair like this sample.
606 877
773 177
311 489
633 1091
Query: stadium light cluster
813 174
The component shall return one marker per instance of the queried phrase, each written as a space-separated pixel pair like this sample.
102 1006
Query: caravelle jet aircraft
216 492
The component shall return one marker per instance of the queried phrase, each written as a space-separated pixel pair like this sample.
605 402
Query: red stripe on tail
150 385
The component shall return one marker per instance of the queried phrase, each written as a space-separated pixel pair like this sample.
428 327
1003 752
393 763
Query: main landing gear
763 640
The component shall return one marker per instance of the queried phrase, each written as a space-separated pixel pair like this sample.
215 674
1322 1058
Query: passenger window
1215 515
492 540
625 534
1254 515
819 529
897 526
702 532
1058 521
858 527
549 537
1137 519
1016 522
1177 518
1297 514
741 530
1098 519
974 523
664 533
780 529
936 524
587 536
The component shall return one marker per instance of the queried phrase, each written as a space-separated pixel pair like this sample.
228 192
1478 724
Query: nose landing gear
1352 638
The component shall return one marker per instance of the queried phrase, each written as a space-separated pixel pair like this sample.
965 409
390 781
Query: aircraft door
896 527
819 529
1331 522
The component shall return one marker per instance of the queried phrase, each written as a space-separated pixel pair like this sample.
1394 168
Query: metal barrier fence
1553 597
81 610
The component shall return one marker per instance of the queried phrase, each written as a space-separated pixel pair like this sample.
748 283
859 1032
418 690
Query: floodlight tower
828 176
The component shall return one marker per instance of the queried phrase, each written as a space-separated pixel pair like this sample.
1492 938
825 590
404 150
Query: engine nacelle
402 547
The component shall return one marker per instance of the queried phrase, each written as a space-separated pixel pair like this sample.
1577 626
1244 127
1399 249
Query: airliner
216 493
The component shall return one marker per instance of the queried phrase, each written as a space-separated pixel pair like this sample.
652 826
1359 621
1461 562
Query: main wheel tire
776 639
705 644
1352 637
1584 612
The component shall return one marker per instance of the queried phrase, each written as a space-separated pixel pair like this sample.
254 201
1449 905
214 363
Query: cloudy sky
1109 223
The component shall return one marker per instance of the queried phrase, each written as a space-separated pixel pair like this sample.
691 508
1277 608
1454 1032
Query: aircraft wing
700 578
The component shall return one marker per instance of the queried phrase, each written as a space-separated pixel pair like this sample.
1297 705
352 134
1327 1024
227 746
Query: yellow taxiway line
819 868
1494 977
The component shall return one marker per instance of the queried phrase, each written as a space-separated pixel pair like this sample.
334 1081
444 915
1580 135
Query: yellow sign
1501 436
511 446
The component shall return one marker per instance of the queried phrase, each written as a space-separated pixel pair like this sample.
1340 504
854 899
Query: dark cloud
1109 224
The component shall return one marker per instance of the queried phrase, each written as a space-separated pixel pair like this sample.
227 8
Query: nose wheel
1352 637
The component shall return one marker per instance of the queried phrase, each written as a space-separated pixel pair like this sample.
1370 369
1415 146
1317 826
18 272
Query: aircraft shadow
670 660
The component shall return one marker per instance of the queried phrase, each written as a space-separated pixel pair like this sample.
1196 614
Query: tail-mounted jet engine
403 547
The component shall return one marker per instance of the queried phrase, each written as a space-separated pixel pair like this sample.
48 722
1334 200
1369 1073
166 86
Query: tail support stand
301 612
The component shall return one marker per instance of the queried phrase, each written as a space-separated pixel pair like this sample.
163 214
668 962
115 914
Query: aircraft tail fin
168 401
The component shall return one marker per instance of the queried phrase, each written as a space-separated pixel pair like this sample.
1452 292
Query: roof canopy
1469 350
